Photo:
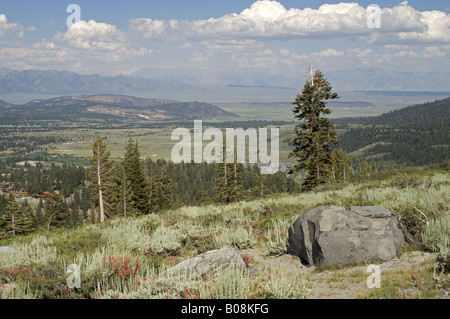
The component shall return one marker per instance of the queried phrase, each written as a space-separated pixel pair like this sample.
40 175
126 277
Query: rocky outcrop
334 235
208 263
6 249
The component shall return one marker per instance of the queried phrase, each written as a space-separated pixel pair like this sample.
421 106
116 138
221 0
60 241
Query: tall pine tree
161 186
39 214
229 178
56 212
338 167
101 177
123 190
138 187
315 133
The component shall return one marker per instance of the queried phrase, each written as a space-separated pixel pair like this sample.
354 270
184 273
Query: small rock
423 186
6 249
254 270
5 288
208 263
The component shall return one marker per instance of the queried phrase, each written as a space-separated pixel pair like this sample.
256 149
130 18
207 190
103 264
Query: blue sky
35 12
208 41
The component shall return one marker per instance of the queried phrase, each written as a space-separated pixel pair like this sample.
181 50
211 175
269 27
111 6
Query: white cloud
231 45
396 46
201 57
284 52
44 45
291 63
40 53
92 35
437 28
9 30
330 53
278 61
427 53
101 41
185 45
155 29
48 54
270 19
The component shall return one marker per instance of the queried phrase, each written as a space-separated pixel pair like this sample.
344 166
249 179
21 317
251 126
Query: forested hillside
416 135
431 112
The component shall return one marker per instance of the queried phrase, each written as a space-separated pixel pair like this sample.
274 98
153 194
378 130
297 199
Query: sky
217 42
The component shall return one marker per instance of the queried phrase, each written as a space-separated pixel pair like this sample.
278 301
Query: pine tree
229 179
253 181
34 183
123 190
100 175
151 182
342 166
14 222
28 212
56 212
85 201
3 203
314 134
162 187
38 213
75 208
221 174
236 182
139 193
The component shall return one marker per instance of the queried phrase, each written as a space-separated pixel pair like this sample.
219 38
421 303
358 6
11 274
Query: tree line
138 186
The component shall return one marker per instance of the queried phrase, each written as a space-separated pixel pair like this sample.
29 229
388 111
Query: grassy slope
259 228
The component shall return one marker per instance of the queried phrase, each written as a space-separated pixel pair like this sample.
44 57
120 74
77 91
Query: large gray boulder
334 235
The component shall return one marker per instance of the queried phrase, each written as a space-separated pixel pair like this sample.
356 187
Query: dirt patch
345 282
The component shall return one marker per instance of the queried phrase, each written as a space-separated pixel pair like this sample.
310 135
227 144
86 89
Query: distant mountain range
111 108
67 82
168 82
